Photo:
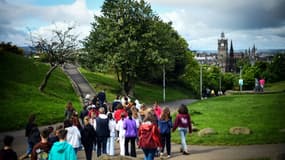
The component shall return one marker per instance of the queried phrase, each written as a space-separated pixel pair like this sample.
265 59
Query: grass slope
145 92
262 113
20 78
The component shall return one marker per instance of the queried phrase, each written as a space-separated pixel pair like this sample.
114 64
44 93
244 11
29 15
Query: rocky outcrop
239 130
206 132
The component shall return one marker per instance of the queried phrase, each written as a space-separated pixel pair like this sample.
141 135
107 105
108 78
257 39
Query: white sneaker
161 154
168 156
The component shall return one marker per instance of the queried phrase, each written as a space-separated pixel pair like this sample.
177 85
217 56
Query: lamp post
201 81
163 72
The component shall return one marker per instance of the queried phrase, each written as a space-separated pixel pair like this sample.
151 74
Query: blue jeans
149 153
183 132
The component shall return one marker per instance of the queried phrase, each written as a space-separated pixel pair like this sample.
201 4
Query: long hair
183 109
165 114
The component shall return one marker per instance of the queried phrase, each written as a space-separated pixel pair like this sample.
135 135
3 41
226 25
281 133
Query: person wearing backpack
149 137
41 149
165 125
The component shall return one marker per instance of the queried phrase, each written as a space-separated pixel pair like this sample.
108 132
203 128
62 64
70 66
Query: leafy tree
131 40
59 48
277 68
9 48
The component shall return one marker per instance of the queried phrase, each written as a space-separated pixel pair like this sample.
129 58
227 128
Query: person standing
73 136
7 153
130 126
88 138
111 138
101 125
262 82
183 123
157 109
165 125
33 135
121 130
69 109
149 137
41 149
62 150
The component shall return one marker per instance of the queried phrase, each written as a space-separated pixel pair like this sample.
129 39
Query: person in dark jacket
165 125
101 125
41 149
88 138
183 123
33 135
7 153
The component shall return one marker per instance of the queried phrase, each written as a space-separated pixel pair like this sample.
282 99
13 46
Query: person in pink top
157 110
261 82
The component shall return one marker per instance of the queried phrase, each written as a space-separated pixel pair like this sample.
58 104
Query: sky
200 22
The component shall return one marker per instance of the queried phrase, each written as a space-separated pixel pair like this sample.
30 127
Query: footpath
197 152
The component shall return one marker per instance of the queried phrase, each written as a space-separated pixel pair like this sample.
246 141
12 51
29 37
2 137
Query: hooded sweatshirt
62 151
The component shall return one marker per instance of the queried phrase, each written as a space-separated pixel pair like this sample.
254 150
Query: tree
59 47
133 42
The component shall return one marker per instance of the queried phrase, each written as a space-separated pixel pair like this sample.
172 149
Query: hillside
20 78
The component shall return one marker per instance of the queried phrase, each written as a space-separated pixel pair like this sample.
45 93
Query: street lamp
201 82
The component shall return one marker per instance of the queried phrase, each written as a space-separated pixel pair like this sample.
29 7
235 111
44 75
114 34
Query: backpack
41 154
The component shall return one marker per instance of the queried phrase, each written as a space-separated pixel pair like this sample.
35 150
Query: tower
231 61
222 52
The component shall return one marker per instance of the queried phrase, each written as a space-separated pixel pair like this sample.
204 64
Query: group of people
259 85
99 126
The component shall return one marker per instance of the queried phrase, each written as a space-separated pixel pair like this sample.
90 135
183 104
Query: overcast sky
200 22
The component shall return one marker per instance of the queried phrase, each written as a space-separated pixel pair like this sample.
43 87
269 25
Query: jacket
130 127
62 151
182 121
149 136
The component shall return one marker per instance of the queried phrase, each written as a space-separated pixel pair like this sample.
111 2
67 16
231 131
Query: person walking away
73 136
102 98
183 123
7 153
130 126
149 137
262 82
165 125
111 138
88 138
256 88
33 135
121 130
41 149
62 150
101 125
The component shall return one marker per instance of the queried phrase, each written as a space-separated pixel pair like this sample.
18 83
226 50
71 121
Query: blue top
131 127
164 126
62 151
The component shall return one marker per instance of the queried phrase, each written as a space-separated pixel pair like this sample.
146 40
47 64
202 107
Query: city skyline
246 23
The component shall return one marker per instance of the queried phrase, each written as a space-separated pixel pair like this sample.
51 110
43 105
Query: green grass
20 78
262 113
145 92
275 87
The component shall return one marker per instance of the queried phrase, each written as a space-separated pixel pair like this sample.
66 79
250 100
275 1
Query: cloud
17 18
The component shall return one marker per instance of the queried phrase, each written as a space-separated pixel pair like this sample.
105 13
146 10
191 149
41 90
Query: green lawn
20 78
262 113
145 92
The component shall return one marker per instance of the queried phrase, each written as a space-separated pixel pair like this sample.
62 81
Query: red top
183 121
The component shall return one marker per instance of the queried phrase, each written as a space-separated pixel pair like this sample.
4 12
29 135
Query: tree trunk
44 82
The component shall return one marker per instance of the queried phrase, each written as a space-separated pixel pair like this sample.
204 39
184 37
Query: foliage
145 92
59 48
132 41
9 48
20 77
276 71
262 113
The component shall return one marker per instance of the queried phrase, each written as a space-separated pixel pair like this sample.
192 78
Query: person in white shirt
120 128
111 139
73 136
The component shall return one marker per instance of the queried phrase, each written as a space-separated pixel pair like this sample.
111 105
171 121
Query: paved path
197 152
80 83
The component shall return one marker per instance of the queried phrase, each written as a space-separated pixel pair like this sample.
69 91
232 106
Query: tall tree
131 40
59 46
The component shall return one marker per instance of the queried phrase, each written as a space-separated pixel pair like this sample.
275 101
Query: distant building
222 52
